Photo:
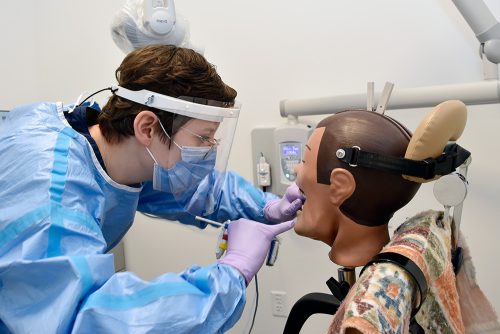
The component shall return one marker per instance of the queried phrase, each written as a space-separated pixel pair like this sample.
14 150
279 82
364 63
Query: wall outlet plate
279 304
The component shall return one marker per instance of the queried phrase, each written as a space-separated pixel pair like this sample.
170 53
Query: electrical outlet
278 304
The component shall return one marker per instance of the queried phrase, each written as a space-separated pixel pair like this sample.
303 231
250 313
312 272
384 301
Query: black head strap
453 156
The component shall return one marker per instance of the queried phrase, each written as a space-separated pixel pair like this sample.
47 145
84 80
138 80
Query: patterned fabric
382 299
380 303
478 314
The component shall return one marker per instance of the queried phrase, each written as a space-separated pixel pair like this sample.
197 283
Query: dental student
72 178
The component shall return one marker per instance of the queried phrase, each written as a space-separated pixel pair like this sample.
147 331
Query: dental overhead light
144 22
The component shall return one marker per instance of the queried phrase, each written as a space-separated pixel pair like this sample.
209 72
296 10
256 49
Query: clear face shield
193 170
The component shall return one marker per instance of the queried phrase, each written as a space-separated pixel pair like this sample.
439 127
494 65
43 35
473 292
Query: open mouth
299 212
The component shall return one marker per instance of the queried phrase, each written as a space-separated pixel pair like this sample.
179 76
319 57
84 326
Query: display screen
288 150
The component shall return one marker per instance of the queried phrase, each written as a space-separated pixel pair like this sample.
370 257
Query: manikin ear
144 125
342 186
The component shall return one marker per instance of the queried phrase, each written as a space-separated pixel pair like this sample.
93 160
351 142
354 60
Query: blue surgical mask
183 178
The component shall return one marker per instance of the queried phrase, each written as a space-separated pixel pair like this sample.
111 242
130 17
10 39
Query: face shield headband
204 109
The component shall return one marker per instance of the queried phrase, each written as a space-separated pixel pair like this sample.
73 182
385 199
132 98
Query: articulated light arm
474 93
484 25
487 30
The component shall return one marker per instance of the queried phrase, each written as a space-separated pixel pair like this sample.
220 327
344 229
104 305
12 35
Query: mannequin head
349 207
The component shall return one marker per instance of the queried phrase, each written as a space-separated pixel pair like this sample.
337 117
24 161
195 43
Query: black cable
256 303
88 97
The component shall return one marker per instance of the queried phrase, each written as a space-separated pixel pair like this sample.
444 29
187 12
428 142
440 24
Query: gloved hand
248 244
283 209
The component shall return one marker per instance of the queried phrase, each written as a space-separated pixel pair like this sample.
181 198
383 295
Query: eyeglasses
212 142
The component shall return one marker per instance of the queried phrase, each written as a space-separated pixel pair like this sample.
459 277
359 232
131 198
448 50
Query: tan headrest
444 123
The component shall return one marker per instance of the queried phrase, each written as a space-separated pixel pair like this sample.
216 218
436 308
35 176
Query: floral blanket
384 296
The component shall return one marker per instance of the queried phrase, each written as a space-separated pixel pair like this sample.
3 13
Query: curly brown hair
164 69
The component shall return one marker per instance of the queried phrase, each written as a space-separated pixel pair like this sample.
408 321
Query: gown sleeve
239 199
69 285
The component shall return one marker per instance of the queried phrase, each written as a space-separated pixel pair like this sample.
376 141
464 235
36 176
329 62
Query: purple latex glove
248 243
283 209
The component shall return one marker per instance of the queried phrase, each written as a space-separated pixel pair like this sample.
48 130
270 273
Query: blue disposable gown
59 215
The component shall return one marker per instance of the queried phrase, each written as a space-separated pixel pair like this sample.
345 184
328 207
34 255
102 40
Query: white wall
269 51
18 65
55 50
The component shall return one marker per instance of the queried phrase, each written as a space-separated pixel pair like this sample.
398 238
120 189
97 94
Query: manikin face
317 220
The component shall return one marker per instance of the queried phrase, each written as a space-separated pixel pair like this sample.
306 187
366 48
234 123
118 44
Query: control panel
283 148
290 156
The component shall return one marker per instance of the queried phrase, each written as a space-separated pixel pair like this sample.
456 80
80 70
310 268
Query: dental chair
450 190
314 303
